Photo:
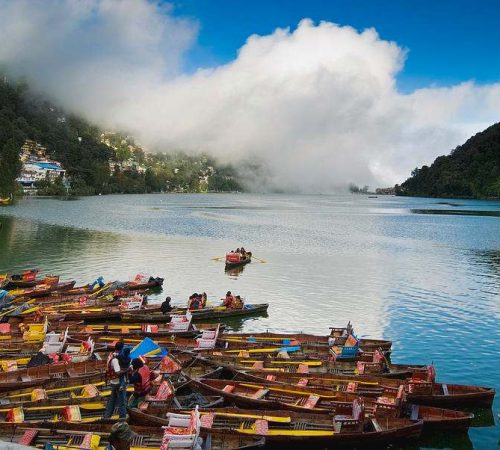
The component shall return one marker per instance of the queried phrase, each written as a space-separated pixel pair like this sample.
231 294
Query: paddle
217 258
258 259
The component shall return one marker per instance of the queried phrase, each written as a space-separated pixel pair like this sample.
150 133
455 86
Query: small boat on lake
36 376
216 312
142 281
6 201
237 259
95 435
290 428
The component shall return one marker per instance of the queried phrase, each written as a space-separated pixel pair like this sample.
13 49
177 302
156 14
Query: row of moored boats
209 388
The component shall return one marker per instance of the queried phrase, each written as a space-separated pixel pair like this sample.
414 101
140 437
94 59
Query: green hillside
472 170
78 146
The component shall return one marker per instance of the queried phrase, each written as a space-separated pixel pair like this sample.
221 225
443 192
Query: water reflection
234 271
429 282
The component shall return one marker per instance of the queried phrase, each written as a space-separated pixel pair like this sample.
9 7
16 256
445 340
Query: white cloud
318 104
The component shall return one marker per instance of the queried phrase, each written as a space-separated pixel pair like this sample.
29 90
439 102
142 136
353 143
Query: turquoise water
424 273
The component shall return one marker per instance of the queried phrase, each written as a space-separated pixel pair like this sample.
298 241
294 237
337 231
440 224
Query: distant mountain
95 162
472 170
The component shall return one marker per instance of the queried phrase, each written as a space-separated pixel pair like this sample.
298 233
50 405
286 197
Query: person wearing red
140 378
229 300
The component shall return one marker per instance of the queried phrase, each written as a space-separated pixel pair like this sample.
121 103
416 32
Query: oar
217 258
258 259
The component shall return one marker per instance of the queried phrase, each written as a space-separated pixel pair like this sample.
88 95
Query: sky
321 94
448 41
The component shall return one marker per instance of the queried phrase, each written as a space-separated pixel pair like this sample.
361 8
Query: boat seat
72 373
376 425
207 420
445 389
137 441
414 412
28 437
357 417
25 378
260 394
311 401
302 382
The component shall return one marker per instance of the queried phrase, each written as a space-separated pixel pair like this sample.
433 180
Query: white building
34 171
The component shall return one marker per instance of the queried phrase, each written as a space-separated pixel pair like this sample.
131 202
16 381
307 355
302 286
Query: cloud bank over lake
318 104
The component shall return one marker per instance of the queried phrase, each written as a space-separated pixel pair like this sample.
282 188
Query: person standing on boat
141 379
116 376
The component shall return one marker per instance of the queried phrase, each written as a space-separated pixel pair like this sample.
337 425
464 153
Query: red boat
235 259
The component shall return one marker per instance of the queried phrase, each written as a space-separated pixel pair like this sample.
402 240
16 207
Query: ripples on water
430 282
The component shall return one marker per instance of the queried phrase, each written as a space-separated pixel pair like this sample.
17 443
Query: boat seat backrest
358 409
261 427
178 420
378 357
28 437
401 393
303 368
52 337
165 392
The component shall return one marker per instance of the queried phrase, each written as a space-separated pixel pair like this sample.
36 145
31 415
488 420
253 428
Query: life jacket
144 386
110 372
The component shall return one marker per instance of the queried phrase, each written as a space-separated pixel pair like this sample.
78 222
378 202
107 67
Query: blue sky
448 41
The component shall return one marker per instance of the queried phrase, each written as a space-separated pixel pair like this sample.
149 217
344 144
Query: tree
11 166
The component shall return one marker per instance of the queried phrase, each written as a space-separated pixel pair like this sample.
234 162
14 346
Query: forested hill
89 162
472 170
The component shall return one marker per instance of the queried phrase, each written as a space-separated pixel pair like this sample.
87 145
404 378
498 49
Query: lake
424 273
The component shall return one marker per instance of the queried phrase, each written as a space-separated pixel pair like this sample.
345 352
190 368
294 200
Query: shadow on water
483 417
456 212
236 324
442 441
234 271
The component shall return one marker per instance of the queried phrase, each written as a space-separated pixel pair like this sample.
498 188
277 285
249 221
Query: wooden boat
290 428
218 312
37 376
141 282
381 400
417 391
90 411
41 290
6 201
68 436
299 398
283 361
66 395
425 392
309 339
183 340
22 280
111 332
234 259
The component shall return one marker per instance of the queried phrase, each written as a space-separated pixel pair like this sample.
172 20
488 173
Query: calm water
424 273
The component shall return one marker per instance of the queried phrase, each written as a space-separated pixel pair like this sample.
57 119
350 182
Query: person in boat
229 300
243 252
237 303
238 250
124 358
195 302
116 377
165 307
140 378
120 437
204 300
